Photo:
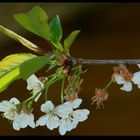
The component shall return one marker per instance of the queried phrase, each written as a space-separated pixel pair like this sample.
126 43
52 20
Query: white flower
34 84
136 79
74 117
50 119
127 85
20 118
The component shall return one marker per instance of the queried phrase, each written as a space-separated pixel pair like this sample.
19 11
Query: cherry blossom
123 77
34 84
50 119
74 117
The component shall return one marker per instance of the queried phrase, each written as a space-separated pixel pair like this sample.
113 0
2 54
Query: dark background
108 31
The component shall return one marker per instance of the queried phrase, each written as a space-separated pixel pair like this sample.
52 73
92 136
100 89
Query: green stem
62 90
108 85
31 98
51 82
48 84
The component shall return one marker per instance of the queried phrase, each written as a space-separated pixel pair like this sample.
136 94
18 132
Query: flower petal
62 127
138 65
5 105
10 114
42 121
63 110
136 78
31 120
119 79
47 107
127 87
80 115
32 81
74 104
16 125
71 124
22 120
14 101
52 122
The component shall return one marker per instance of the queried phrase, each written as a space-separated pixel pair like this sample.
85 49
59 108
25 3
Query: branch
94 61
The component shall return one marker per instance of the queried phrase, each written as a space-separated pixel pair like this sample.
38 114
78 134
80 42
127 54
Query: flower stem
108 85
62 90
31 98
54 79
48 84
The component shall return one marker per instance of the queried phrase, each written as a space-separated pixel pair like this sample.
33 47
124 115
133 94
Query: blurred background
108 31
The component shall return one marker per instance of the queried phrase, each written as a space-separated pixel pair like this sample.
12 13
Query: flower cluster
65 116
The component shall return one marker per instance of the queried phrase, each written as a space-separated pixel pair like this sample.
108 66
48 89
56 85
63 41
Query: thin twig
95 61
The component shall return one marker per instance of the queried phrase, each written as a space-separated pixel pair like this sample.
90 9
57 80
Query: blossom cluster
65 116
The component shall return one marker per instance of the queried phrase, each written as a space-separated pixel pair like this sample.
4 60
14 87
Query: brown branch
95 61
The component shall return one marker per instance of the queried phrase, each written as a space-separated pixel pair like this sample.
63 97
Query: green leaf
35 21
9 78
55 30
9 68
22 40
33 65
13 61
69 40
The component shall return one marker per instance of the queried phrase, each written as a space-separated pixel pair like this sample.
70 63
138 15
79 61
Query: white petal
62 127
32 81
31 120
80 114
14 101
127 87
22 120
47 107
71 124
42 121
63 110
10 115
136 78
119 79
138 65
5 105
74 104
52 122
16 125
